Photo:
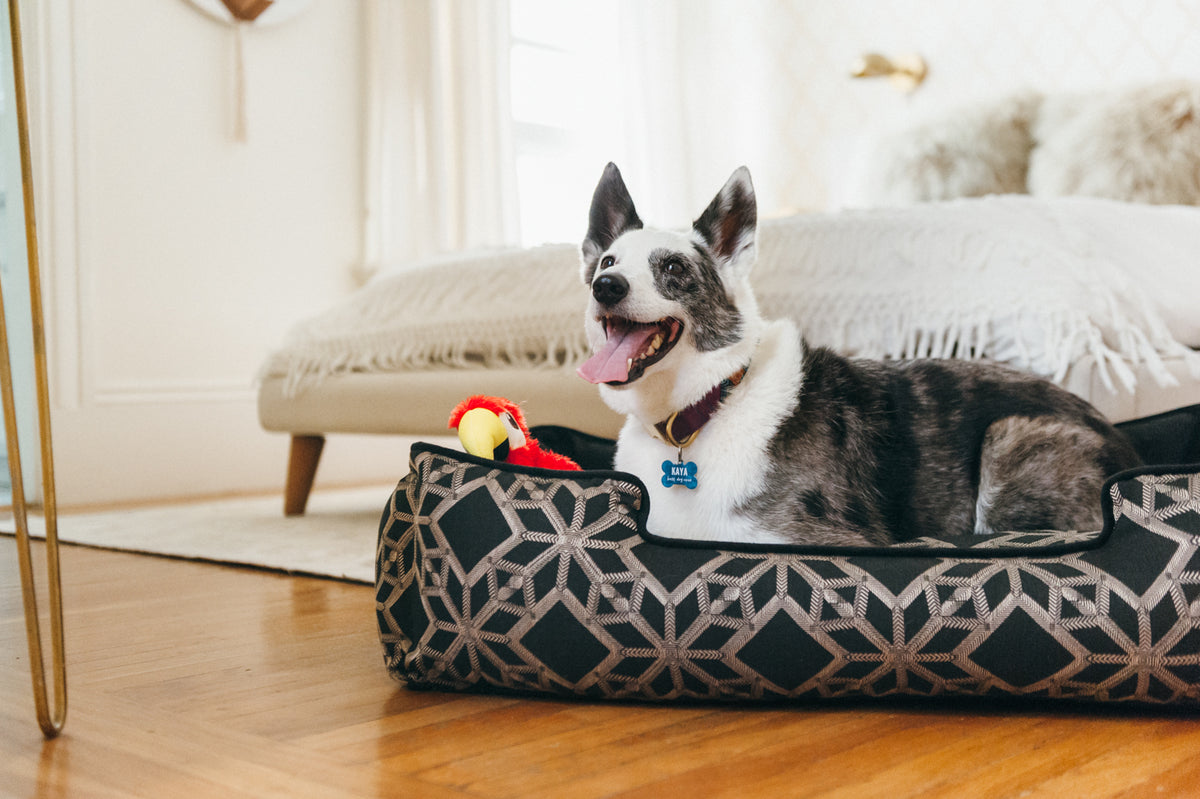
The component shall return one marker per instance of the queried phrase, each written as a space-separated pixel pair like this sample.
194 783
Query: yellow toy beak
480 432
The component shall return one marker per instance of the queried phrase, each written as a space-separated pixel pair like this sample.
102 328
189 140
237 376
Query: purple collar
681 428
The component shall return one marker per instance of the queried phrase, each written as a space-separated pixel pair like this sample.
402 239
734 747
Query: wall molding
167 392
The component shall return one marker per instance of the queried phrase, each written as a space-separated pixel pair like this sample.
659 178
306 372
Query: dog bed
500 578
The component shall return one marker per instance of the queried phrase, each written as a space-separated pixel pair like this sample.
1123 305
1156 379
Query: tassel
239 79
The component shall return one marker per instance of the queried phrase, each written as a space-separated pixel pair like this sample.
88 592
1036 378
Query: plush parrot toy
494 427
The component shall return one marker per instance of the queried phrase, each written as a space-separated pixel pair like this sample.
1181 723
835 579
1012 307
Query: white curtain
685 93
696 88
704 88
438 161
660 141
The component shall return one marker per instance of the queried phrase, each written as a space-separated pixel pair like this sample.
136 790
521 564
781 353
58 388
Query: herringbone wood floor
193 680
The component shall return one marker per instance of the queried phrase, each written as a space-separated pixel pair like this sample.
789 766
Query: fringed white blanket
1036 283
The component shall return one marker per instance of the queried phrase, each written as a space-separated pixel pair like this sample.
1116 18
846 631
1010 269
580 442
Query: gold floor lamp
50 718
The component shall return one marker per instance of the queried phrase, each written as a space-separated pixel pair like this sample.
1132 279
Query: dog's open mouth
630 348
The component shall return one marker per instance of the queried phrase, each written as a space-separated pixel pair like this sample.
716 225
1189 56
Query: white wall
176 257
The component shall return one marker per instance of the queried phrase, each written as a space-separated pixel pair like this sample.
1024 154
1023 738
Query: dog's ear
612 214
729 224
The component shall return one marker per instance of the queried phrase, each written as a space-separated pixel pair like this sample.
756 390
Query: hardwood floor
192 680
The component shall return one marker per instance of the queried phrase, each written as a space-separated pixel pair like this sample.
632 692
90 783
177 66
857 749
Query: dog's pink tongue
611 363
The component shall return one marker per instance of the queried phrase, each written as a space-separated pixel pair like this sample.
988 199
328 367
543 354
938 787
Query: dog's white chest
731 453
706 512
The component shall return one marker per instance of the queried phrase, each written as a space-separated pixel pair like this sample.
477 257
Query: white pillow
970 152
1140 145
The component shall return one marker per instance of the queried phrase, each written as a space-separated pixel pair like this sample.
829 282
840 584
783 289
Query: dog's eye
607 261
673 267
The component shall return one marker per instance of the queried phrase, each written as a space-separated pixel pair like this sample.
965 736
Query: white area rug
335 538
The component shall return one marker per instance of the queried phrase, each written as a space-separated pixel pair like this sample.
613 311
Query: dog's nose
610 289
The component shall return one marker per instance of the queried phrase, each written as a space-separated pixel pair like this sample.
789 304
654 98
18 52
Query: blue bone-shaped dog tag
679 474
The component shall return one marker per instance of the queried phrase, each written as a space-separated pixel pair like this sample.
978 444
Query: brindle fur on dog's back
792 444
893 451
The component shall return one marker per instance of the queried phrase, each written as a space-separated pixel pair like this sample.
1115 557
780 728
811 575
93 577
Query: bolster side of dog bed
497 578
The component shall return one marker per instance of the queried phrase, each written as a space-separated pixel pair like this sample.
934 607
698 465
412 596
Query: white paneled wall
176 256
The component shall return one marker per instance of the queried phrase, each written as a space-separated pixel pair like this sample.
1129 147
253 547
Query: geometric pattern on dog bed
492 577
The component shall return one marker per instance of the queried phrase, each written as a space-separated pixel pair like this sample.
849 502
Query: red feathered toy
493 427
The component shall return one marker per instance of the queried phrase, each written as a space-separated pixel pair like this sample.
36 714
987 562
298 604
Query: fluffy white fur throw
1015 279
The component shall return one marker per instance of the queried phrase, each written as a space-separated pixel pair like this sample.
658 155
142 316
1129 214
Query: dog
744 433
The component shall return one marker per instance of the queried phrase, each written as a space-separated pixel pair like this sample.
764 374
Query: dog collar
681 428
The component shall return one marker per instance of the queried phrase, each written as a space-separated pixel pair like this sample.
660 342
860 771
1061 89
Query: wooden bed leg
303 458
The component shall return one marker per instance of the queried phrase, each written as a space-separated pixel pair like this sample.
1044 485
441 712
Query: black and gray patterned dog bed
496 577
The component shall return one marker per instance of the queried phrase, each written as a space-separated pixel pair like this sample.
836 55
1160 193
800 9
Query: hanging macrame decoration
239 15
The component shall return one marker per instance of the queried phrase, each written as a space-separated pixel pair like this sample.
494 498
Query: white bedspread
1033 282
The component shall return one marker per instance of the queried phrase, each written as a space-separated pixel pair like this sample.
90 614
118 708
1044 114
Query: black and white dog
742 432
